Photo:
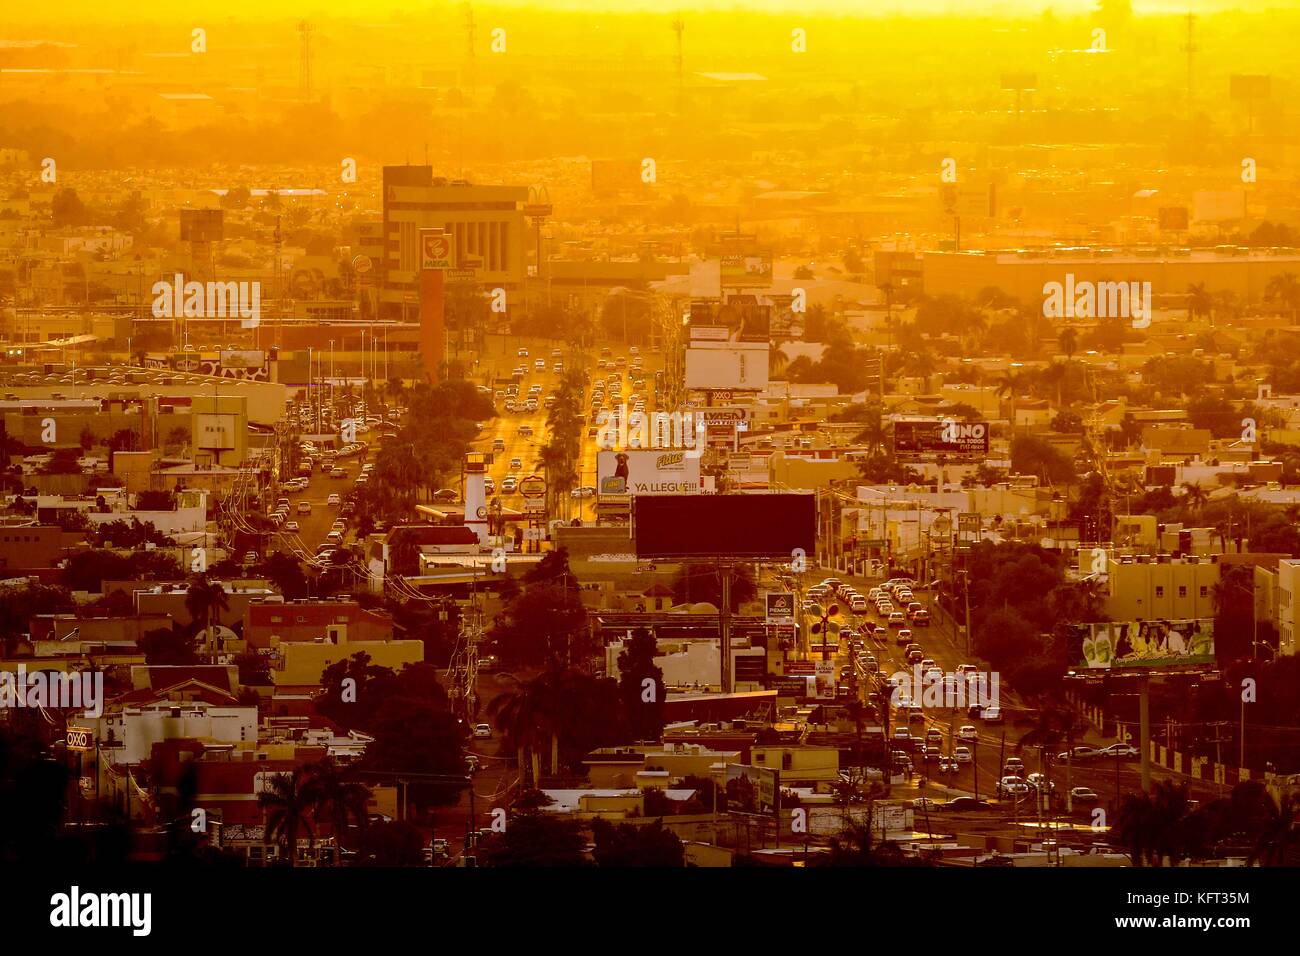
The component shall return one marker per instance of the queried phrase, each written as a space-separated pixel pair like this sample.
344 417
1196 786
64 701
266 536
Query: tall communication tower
304 60
679 28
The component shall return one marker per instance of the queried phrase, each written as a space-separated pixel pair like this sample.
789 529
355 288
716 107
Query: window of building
1182 590
1205 590
1160 590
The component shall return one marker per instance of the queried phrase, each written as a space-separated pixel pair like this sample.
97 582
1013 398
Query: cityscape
446 436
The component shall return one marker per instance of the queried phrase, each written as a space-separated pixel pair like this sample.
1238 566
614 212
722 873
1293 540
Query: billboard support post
1144 730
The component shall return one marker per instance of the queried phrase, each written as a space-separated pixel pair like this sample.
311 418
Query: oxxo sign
80 738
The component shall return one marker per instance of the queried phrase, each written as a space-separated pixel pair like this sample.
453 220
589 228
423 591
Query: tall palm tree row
293 803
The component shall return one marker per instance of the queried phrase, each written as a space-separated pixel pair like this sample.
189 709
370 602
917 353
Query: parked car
958 804
1077 754
1084 795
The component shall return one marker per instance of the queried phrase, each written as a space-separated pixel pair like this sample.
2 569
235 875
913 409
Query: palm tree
1199 302
1130 430
1069 341
523 716
287 800
1194 496
339 799
1280 835
1154 826
205 600
1285 289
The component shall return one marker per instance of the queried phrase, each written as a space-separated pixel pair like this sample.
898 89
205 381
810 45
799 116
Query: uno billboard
741 527
649 471
940 436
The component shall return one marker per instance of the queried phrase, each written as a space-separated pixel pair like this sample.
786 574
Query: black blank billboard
722 526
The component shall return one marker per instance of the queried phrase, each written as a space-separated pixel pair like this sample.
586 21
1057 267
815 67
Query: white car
968 732
291 526
482 730
334 501
961 754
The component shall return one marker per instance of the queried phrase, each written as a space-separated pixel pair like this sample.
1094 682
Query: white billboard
215 432
651 471
741 365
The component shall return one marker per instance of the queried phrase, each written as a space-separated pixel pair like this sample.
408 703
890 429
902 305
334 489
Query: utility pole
1144 730
724 628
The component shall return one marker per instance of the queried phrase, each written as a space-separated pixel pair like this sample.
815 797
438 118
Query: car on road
1078 754
498 444
1039 782
906 632
516 464
934 736
968 732
525 430
586 491
1084 795
896 619
992 715
482 730
947 765
1014 765
915 655
291 526
1012 787
961 754
509 485
924 803
250 557
338 473
445 494
1123 751
489 485
304 507
333 501
958 804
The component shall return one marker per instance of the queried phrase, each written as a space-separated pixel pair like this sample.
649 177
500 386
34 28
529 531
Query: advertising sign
242 358
789 686
1147 644
435 249
941 436
747 269
728 366
757 786
824 672
781 527
649 471
81 739
780 607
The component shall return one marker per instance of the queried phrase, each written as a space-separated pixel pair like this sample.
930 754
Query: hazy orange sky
128 10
